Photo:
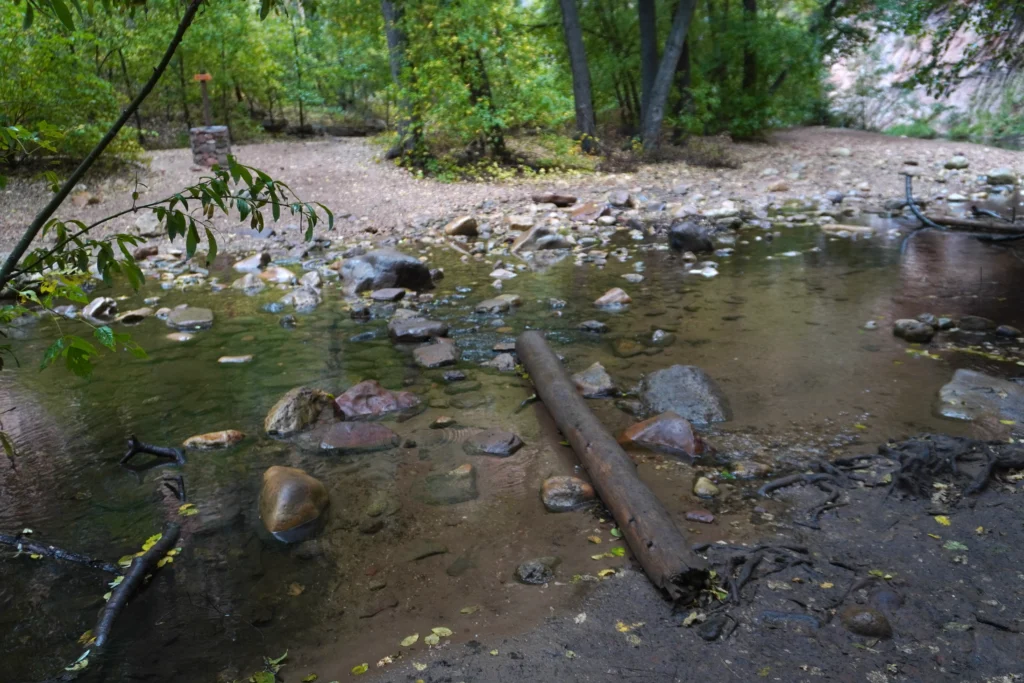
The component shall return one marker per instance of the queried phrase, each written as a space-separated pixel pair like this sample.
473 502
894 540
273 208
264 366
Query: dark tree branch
24 545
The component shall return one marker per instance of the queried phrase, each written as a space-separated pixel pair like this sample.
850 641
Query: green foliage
916 129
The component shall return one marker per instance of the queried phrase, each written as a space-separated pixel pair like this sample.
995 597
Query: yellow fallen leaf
860 426
296 589
494 653
410 640
1008 422
125 561
633 639
605 573
432 639
164 560
442 631
106 596
361 669
310 678
826 585
623 627
469 610
980 530
594 539
87 638
943 520
419 667
151 541
36 556
936 537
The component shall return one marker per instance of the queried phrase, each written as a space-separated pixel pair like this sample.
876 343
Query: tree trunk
648 50
586 124
182 82
408 124
749 55
128 85
655 113
684 78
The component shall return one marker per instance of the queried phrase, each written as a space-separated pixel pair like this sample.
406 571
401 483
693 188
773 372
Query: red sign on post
203 77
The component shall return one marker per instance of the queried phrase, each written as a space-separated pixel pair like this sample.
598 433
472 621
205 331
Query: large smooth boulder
190 318
971 395
384 268
347 438
295 411
690 236
291 503
564 494
665 433
687 391
369 399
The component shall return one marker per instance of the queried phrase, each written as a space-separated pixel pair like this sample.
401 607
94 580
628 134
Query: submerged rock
691 237
666 433
388 294
370 399
973 395
212 440
975 323
687 391
493 442
594 382
564 494
296 410
384 268
249 284
190 318
291 503
613 298
866 621
593 326
304 299
135 316
346 438
537 572
450 488
913 331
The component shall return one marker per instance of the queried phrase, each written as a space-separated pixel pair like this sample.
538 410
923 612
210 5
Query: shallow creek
780 329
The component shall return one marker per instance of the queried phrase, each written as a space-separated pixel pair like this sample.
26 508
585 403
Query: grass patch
917 129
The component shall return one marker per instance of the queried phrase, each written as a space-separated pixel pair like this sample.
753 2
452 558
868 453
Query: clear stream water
780 329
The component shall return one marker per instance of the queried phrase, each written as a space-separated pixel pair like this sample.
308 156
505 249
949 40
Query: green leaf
25 25
616 533
8 445
105 335
51 353
263 677
361 669
191 241
279 660
265 8
63 13
211 252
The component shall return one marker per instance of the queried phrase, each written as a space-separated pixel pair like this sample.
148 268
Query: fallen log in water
135 447
24 545
645 524
968 225
141 566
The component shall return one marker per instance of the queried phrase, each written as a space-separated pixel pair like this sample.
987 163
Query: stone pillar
210 145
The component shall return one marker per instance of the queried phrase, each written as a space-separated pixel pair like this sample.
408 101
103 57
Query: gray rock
1002 176
249 284
913 331
622 199
252 264
593 326
975 323
1007 331
463 225
690 236
190 318
957 163
541 237
493 442
537 572
295 411
503 362
100 311
388 294
493 306
416 329
687 391
385 268
594 382
972 395
312 280
304 299
442 352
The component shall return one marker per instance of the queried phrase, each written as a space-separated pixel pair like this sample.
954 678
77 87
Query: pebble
705 488
234 360
866 621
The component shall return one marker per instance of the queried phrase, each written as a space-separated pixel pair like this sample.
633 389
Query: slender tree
648 50
586 125
410 130
655 113
749 53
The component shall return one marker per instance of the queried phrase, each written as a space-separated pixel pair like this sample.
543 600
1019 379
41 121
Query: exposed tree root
24 545
925 459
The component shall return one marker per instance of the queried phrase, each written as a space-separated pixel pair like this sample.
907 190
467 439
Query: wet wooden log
653 537
133 579
21 542
135 447
968 225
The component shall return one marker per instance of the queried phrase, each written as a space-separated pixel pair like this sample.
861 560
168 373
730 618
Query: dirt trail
347 175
